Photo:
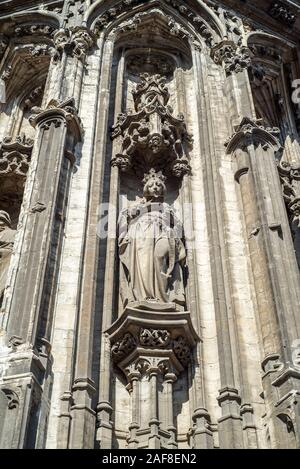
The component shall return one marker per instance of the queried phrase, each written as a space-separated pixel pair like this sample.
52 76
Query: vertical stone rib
230 424
84 351
104 410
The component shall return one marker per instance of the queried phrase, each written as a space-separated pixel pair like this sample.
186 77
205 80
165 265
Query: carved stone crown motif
151 136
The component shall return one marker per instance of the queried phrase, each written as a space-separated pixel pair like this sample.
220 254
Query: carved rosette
152 137
15 155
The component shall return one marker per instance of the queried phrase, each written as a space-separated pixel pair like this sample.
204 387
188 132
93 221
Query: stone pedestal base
151 345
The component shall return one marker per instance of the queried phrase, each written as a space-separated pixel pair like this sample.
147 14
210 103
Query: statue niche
7 236
151 249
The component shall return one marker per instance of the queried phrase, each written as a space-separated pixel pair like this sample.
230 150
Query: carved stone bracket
151 136
233 58
15 154
140 335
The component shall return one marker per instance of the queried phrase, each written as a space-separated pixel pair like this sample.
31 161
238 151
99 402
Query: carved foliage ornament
290 180
15 156
151 339
283 14
152 137
126 5
234 59
154 338
77 41
123 347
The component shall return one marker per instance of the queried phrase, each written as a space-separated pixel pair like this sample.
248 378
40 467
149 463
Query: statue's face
2 225
154 188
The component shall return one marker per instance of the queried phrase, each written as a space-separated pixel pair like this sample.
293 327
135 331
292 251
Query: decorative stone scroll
151 136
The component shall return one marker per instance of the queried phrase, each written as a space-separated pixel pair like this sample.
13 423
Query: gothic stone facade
149 224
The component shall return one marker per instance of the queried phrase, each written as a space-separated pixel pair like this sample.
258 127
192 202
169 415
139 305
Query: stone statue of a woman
151 249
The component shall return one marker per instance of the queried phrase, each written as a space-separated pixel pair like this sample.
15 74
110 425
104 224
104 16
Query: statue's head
154 185
5 220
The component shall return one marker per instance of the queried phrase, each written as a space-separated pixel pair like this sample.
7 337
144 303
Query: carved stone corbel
152 347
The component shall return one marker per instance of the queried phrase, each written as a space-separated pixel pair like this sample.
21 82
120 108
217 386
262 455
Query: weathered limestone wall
59 384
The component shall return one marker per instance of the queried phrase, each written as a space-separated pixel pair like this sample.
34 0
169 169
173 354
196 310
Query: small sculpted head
154 185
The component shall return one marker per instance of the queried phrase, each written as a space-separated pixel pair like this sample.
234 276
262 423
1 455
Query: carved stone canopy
151 136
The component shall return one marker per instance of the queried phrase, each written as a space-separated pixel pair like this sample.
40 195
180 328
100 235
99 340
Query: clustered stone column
58 131
256 149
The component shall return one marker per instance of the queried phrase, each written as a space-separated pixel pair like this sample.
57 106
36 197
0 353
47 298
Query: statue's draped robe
152 254
6 245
